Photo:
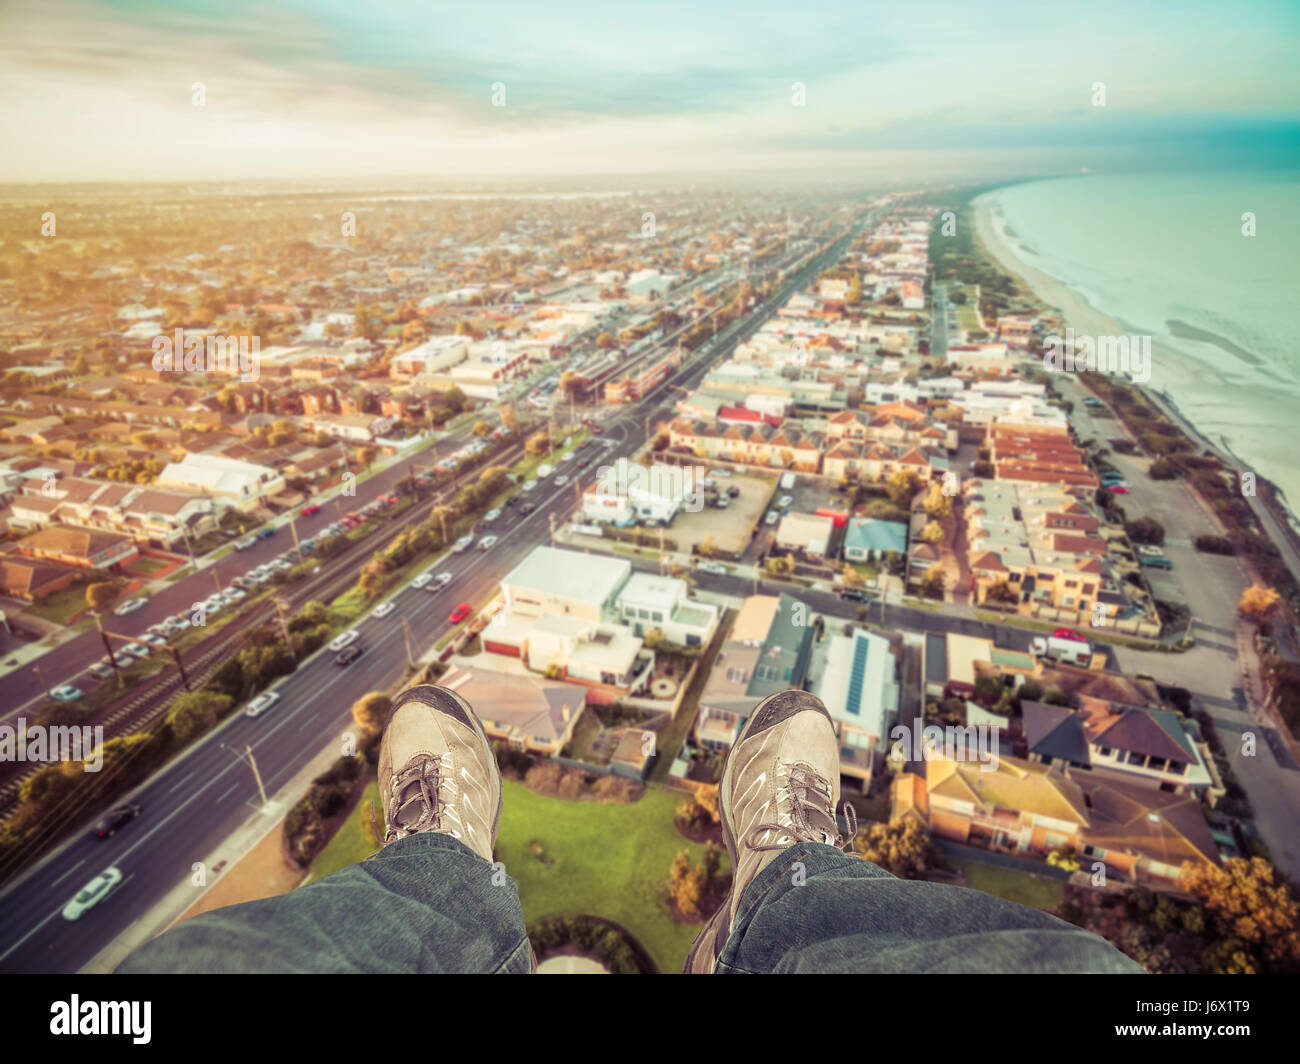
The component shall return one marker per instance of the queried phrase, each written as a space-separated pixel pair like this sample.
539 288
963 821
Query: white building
241 484
649 603
628 491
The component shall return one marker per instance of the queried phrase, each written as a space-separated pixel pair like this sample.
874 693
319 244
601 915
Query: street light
252 763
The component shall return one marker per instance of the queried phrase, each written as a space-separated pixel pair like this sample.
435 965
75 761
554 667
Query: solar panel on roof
856 675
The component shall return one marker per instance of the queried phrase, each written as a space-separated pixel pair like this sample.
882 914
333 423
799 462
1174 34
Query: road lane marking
68 872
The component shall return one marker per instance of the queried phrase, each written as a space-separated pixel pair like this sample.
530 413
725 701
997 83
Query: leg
799 904
817 909
425 904
429 901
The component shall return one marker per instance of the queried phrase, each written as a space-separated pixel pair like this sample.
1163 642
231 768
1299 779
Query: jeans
428 904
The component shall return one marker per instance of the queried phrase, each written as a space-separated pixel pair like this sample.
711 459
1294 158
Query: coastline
1075 310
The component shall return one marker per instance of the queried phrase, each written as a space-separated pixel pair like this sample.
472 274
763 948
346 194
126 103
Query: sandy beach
1085 319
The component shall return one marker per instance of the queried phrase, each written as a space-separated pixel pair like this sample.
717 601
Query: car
441 580
266 533
136 650
462 544
106 827
733 491
596 429
154 640
722 502
383 610
256 577
214 603
1156 563
784 501
487 542
512 500
1150 552
712 567
1119 489
492 515
234 594
178 623
544 471
855 594
281 564
262 703
526 509
567 456
101 671
130 606
561 480
423 580
1069 633
344 639
460 613
722 472
529 485
348 656
245 543
92 894
307 546
773 516
392 498
309 509
65 692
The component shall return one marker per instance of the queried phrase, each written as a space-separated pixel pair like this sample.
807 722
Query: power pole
551 519
252 763
179 664
284 627
293 527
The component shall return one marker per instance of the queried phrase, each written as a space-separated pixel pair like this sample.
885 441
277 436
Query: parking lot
733 527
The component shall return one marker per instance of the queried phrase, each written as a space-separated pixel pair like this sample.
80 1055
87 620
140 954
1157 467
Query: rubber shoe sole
713 936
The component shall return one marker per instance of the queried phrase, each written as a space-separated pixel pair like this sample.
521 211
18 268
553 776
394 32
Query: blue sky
101 90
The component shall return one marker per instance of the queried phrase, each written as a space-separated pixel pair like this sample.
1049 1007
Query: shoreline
1075 310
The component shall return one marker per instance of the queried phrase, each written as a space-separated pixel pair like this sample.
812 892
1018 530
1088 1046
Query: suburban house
805 532
242 485
85 548
867 539
626 491
526 712
649 603
856 677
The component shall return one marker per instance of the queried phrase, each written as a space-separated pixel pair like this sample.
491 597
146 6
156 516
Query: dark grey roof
1055 731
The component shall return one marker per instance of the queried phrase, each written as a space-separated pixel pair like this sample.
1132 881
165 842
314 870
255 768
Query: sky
106 91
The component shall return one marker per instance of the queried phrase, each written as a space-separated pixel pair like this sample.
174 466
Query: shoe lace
416 800
811 816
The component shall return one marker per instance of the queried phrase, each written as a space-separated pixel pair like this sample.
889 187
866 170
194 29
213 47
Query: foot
779 786
437 771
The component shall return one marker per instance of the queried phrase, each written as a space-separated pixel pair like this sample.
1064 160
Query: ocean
1164 255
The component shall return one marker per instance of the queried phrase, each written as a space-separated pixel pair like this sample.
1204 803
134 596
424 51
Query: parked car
733 491
492 515
784 501
262 703
137 650
233 594
107 826
348 656
773 516
92 894
462 544
307 546
855 594
1069 633
423 580
154 640
460 613
344 639
1149 551
65 692
1155 563
392 498
1119 489
529 485
712 567
487 542
267 532
309 509
383 610
130 606
245 543
282 564
101 671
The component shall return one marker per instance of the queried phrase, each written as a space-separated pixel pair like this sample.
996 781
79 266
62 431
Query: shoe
437 771
779 786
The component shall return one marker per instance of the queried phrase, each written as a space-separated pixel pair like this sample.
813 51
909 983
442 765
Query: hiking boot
437 771
779 786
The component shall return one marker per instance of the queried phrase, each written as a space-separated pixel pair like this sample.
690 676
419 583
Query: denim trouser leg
425 904
853 916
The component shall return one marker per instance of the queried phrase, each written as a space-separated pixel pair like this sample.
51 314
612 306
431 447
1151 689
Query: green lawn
606 860
62 606
1022 887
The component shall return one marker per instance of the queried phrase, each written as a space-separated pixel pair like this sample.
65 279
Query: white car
262 703
561 480
233 594
100 671
773 516
65 693
784 501
712 567
245 543
423 580
282 564
567 456
382 610
492 515
346 639
130 606
722 472
1150 552
544 471
136 650
442 580
154 640
92 894
463 544
529 485
487 542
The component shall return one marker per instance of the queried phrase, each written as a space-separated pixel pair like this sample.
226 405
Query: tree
932 533
780 564
482 429
936 503
196 712
1249 899
100 594
851 577
1002 592
933 583
1257 603
366 456
902 486
1145 530
370 712
686 885
902 848
707 547
537 444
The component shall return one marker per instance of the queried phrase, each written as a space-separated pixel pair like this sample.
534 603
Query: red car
1068 633
460 613
1118 490
392 499
596 429
307 511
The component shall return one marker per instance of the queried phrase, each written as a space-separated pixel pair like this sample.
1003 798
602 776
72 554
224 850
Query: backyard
569 857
